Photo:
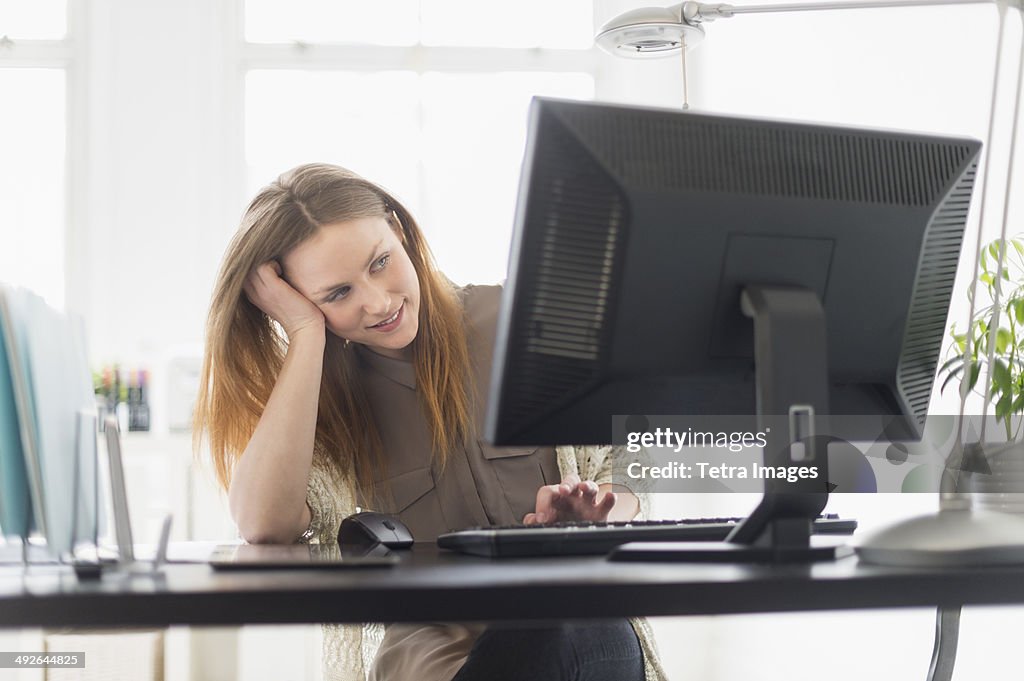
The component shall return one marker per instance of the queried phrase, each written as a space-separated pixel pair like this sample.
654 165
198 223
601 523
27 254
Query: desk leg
947 631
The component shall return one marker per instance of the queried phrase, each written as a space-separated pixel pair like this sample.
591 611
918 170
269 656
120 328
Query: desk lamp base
949 538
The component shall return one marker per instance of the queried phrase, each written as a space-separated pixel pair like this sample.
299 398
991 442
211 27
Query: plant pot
1003 488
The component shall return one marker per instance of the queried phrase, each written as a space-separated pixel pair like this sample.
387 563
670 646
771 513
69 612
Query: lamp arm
694 12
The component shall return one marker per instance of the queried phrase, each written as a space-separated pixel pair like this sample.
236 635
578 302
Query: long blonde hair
245 349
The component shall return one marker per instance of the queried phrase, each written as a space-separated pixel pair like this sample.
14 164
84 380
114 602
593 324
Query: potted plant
988 359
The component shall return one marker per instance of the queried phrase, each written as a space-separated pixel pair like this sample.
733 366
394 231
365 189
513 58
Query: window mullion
34 53
415 58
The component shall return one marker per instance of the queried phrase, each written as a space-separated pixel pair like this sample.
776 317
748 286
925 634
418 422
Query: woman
342 368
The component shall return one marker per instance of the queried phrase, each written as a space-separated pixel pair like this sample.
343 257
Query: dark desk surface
434 585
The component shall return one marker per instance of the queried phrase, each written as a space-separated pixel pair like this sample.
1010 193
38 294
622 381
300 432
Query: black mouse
368 528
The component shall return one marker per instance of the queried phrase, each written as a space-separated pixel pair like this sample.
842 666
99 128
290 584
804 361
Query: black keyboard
574 539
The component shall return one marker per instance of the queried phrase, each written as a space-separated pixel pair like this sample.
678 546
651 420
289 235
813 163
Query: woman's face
359 275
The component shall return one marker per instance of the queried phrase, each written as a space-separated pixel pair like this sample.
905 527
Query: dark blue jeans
568 651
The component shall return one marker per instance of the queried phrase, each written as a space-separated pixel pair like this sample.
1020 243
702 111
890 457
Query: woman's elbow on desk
265 525
267 533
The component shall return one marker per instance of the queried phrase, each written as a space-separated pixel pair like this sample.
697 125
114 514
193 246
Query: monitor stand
792 380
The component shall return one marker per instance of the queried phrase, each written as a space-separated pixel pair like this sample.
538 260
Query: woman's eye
381 262
337 294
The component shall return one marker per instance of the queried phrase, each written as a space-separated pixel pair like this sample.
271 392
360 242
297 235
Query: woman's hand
267 290
573 499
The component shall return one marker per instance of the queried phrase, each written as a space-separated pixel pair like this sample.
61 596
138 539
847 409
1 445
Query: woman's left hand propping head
571 500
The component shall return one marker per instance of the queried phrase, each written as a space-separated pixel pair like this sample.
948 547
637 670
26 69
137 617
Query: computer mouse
368 528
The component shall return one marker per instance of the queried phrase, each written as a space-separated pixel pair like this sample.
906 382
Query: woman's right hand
267 290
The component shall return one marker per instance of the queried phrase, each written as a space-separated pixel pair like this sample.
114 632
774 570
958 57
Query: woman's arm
267 495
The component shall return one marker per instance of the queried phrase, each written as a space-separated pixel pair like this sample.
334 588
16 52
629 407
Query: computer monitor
670 262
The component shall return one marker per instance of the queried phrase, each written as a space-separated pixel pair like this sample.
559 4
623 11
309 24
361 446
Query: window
33 127
431 104
33 19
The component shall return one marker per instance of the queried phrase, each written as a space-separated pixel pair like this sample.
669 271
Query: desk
432 585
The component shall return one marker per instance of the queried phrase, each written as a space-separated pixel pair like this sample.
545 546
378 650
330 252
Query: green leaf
1003 340
972 380
1003 406
1000 376
988 279
1018 246
975 373
952 374
1018 309
950 363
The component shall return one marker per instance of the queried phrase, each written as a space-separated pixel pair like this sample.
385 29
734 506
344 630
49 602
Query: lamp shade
648 32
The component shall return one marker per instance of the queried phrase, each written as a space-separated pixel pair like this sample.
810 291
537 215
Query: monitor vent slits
926 319
557 351
651 150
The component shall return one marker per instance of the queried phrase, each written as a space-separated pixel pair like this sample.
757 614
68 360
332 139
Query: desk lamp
956 535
